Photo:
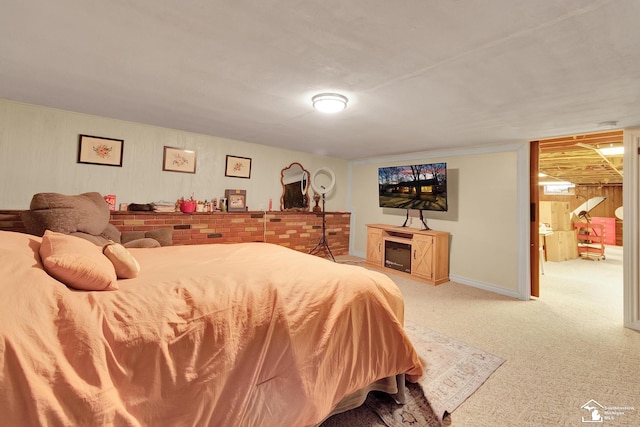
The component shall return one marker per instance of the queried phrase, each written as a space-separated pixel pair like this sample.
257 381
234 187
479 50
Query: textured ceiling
420 74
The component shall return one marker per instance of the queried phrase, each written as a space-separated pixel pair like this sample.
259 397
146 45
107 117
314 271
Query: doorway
577 169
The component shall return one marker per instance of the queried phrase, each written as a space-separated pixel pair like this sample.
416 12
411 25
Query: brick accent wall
297 230
10 221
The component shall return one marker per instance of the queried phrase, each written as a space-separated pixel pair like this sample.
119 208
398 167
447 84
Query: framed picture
97 150
236 200
239 167
179 160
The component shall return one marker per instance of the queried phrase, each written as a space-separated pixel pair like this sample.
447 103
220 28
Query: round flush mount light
610 124
329 102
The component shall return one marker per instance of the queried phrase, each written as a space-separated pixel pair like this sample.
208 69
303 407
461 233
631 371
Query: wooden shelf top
405 230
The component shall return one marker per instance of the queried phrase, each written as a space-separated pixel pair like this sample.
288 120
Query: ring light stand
321 189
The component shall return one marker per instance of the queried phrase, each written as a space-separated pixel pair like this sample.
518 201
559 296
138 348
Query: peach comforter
221 335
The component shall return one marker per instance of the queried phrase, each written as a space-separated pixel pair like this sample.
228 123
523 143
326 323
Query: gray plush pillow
31 223
111 233
164 236
87 213
142 243
96 240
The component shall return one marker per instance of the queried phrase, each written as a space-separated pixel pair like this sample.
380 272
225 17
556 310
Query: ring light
319 188
304 182
323 189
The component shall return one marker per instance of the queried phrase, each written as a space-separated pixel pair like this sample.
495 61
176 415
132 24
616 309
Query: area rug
454 371
380 410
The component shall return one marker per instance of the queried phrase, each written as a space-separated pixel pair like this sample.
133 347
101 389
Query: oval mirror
295 185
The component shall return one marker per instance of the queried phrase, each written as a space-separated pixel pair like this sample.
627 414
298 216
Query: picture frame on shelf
238 167
98 150
175 159
236 200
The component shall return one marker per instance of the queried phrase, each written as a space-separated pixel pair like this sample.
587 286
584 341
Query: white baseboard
488 287
474 283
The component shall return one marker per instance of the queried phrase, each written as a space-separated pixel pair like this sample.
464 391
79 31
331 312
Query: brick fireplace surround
297 230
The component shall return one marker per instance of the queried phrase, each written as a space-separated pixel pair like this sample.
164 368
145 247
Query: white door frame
631 229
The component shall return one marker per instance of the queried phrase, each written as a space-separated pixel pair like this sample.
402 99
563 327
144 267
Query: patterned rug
454 371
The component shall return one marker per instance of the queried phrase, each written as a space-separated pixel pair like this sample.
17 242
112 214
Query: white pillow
124 263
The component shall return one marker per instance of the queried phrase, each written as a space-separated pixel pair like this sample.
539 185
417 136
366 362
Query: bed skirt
393 386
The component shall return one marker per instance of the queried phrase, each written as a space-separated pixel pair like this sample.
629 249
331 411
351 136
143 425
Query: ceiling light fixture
329 102
610 124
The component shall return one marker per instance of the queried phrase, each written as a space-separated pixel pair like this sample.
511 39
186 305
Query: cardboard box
561 246
557 215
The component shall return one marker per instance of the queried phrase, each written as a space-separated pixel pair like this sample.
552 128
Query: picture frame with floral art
98 150
238 167
175 159
236 200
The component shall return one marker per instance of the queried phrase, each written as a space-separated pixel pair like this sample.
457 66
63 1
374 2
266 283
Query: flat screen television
422 187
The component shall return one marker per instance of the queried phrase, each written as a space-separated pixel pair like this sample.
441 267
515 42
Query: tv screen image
420 187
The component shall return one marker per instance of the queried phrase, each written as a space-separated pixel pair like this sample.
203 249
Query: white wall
488 195
485 216
39 150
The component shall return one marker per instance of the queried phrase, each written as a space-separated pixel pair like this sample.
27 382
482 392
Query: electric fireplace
397 255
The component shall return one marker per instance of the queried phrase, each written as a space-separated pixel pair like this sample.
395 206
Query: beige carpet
454 371
562 350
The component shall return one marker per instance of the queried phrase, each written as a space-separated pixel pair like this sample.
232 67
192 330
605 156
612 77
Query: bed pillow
124 263
77 262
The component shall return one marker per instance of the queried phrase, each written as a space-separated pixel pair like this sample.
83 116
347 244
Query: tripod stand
323 240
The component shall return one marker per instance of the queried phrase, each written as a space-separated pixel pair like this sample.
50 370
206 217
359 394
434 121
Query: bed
241 334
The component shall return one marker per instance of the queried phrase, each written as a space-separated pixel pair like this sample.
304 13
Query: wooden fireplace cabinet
429 251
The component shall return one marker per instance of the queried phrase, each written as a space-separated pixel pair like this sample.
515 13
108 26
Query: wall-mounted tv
422 187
